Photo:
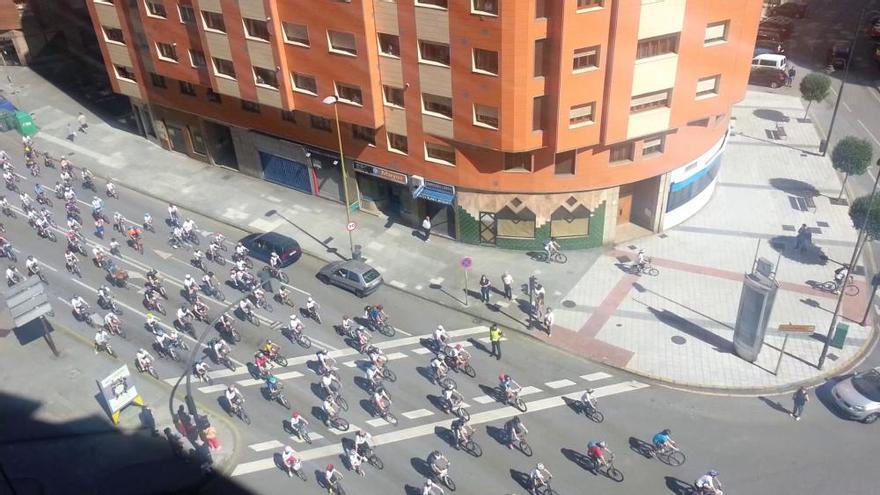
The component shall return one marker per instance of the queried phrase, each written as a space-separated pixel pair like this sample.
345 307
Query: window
541 58
364 134
398 143
297 34
348 93
653 145
658 45
708 86
256 28
156 9
213 97
305 84
699 123
569 225
320 123
342 42
266 77
186 13
682 192
585 59
158 80
541 9
435 152
564 163
649 101
518 162
224 67
288 116
113 35
124 72
389 44
581 115
485 61
437 105
167 51
434 52
249 106
486 116
621 153
516 228
213 21
187 88
393 96
484 7
197 58
716 32
538 117
589 4
433 3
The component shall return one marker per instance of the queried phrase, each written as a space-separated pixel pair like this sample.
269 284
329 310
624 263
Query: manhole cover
569 303
679 340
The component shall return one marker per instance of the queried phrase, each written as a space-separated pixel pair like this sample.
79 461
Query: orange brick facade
520 179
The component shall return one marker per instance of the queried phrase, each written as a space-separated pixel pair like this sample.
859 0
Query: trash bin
25 124
839 335
356 252
7 121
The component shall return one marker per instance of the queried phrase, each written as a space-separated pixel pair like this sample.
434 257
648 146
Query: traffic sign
351 226
467 262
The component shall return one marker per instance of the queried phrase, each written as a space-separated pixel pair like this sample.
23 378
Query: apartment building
506 121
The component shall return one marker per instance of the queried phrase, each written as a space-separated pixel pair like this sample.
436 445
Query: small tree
814 87
851 156
859 210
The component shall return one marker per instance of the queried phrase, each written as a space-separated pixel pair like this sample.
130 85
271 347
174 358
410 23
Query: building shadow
794 187
696 331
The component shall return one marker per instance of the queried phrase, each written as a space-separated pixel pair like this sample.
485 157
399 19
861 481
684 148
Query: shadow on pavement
421 466
580 460
696 331
641 447
775 405
794 187
521 478
678 486
771 115
497 434
808 255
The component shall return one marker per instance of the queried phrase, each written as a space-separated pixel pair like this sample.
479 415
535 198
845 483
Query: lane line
377 422
592 377
421 351
559 384
868 131
428 429
210 389
529 391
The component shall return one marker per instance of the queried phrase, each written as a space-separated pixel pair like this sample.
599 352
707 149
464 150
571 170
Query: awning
435 195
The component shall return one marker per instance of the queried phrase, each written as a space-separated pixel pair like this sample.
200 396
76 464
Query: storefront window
683 191
518 224
575 223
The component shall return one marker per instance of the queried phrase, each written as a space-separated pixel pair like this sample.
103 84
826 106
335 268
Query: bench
780 132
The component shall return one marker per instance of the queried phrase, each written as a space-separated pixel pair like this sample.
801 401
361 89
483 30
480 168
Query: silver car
353 275
859 396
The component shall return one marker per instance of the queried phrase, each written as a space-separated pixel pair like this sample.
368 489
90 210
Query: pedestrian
99 227
790 78
495 335
81 120
71 133
800 399
799 238
485 287
507 280
186 422
210 436
426 227
539 298
548 320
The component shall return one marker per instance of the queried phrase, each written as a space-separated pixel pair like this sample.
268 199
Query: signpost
351 226
119 391
466 263
787 330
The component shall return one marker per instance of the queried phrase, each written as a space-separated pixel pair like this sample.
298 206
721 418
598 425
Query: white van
773 60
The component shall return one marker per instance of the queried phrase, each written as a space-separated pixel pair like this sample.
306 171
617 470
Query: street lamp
332 100
862 237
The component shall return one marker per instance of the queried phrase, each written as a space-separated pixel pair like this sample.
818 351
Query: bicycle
216 258
106 348
523 447
383 327
608 470
460 412
150 369
337 422
299 336
252 317
302 432
591 411
544 489
645 268
556 257
444 477
337 399
373 459
470 446
279 397
276 273
670 455
300 473
849 288
313 314
514 400
238 410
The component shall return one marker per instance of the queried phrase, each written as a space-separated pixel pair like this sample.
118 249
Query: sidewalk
58 436
675 327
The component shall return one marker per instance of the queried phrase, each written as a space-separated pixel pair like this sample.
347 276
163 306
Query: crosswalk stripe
288 375
559 383
421 350
418 413
351 427
529 391
592 377
483 399
250 382
485 340
395 355
212 388
350 364
271 444
377 422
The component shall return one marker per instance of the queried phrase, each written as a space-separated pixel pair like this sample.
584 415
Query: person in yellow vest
495 335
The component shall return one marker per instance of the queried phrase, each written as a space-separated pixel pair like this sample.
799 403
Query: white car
859 396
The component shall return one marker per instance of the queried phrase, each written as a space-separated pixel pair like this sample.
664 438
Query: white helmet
288 449
310 299
440 327
541 465
188 276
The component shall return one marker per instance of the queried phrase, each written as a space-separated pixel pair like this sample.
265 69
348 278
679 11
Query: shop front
436 200
386 192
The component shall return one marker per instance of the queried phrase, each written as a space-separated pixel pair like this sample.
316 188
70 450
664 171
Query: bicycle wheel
520 404
306 437
253 319
560 258
673 458
473 448
389 375
341 424
220 260
387 330
284 402
449 483
391 418
281 360
244 416
236 337
283 277
51 236
376 462
160 308
652 271
302 475
463 414
448 383
342 403
525 448
596 415
304 341
614 473
471 372
268 307
851 290
153 372
110 351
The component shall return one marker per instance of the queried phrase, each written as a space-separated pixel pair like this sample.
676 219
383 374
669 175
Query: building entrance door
624 204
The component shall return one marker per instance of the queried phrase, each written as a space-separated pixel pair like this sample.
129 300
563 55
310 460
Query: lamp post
332 100
852 263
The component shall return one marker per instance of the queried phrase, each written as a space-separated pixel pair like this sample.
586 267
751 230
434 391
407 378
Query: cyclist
463 430
539 477
260 297
376 356
200 369
453 399
103 295
355 460
363 338
510 387
298 423
326 362
197 259
111 189
329 408
273 385
596 451
373 375
98 253
840 275
208 281
311 307
189 283
283 295
430 487
118 222
32 265
515 429
152 322
200 309
151 297
381 400
173 215
226 322
144 360
270 349
440 336
97 205
362 442
184 315
233 396
12 275
240 251
376 314
148 221
641 260
291 459
114 246
551 247
152 277
102 338
346 325
261 361
709 483
662 440
221 349
275 261
332 477
245 306
111 322
459 356
439 368
588 400
330 384
79 306
213 249
439 463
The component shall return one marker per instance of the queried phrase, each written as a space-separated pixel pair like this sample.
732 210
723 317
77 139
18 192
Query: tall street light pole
332 100
862 237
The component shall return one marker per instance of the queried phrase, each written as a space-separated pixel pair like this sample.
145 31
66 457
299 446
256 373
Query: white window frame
308 42
725 25
247 35
423 60
575 56
264 85
157 2
118 76
220 74
576 108
478 70
163 57
205 22
192 61
421 3
712 92
477 11
393 149
108 40
337 84
438 160
435 114
477 122
385 99
589 9
298 89
192 9
338 51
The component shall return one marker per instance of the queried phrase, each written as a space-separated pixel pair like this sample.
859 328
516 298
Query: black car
783 25
262 245
838 54
767 76
768 35
790 9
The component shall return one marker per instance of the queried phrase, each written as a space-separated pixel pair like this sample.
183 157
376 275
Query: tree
859 210
814 87
851 156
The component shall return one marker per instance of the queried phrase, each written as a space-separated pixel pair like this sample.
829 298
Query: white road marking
351 428
210 389
395 355
323 344
483 399
593 377
418 287
398 284
418 413
295 288
288 375
312 435
868 131
437 280
428 429
350 364
559 384
262 446
162 254
377 422
421 351
249 382
848 109
403 332
485 340
529 391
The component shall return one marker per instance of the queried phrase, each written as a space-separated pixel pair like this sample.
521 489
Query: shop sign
381 173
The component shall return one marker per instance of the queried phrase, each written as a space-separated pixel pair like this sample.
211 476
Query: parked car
775 60
790 9
768 46
353 275
262 245
782 25
838 54
769 35
859 396
767 76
